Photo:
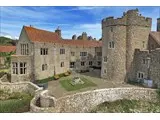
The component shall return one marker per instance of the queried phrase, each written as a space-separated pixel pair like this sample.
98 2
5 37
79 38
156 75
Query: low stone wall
20 87
86 101
46 100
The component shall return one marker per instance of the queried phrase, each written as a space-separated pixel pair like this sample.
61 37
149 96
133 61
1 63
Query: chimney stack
58 31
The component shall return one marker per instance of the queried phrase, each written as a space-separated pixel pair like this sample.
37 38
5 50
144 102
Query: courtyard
95 82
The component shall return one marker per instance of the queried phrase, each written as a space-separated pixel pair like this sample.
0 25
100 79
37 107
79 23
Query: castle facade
129 50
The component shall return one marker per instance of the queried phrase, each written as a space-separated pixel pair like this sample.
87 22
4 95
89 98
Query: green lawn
14 102
128 106
66 83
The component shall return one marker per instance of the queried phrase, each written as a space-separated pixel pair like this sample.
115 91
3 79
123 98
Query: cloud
72 20
3 34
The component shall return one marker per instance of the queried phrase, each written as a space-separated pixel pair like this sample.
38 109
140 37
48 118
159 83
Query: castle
129 50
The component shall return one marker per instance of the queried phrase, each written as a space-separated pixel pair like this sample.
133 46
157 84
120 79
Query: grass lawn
14 102
66 83
128 106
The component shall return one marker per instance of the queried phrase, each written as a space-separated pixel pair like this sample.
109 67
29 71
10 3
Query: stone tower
158 24
84 36
120 38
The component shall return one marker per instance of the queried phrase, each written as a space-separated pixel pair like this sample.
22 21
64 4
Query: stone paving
57 90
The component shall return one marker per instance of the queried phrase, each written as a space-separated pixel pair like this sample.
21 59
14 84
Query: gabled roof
38 35
156 36
7 48
84 43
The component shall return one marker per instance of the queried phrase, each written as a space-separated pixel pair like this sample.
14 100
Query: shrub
66 73
45 80
56 77
61 75
14 102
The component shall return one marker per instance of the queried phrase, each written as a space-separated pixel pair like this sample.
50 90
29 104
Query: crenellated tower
120 38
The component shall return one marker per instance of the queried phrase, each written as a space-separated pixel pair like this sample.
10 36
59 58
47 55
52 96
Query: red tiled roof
156 36
37 35
7 48
84 43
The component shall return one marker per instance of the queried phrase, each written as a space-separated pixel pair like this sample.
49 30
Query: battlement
131 17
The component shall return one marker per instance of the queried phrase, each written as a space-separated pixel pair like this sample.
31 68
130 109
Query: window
44 51
99 53
99 63
140 75
104 70
15 67
152 46
24 49
62 51
82 63
23 67
144 61
72 53
111 29
90 63
143 44
83 53
105 59
111 44
72 64
62 64
44 67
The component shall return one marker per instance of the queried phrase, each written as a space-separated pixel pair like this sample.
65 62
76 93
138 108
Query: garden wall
20 87
86 101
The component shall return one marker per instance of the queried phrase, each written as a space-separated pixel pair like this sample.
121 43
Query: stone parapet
86 101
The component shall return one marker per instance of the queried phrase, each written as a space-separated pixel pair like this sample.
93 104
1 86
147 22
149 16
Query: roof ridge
39 29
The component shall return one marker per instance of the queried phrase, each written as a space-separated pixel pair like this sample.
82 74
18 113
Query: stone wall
20 87
86 101
22 77
46 100
128 33
153 66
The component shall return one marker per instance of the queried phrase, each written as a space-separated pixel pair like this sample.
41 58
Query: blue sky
71 20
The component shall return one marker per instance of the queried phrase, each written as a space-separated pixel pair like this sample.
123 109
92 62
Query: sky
71 20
